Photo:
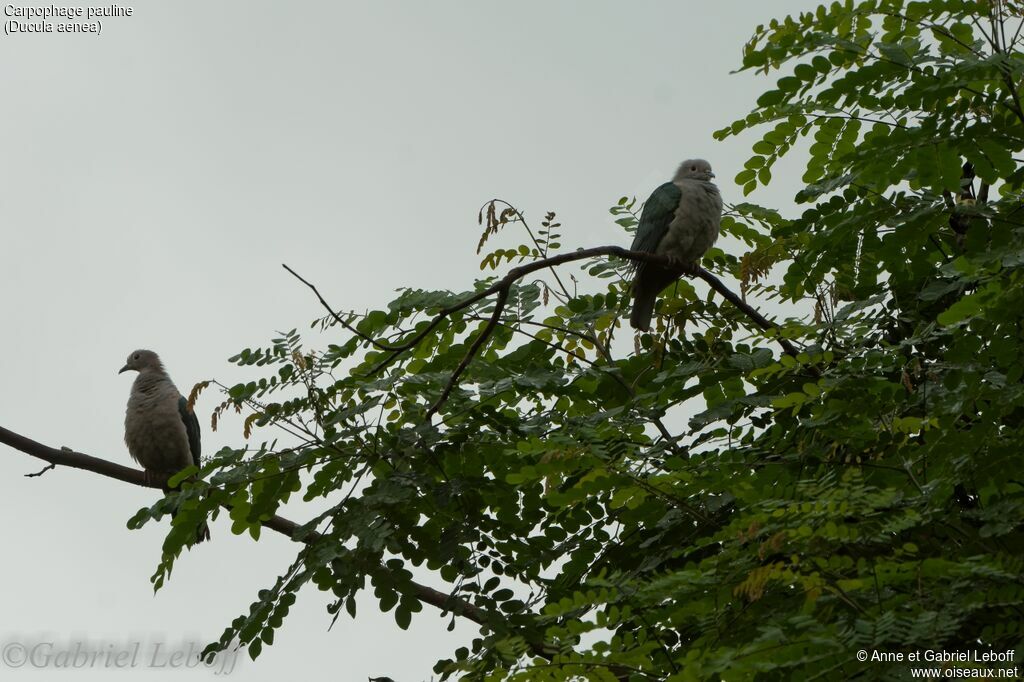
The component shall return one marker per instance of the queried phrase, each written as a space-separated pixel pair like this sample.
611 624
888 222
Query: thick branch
76 460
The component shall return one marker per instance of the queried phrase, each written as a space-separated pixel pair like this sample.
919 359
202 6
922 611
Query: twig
337 318
522 219
499 308
760 320
41 471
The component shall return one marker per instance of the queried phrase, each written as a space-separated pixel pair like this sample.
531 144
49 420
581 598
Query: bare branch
337 318
42 471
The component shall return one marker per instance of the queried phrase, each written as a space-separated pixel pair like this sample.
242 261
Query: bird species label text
60 18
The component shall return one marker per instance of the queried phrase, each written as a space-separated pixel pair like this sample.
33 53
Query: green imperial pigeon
161 431
679 220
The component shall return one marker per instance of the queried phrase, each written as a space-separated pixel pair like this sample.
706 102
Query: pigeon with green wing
160 429
680 220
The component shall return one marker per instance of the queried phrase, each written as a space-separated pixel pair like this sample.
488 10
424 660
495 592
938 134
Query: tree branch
337 318
499 308
503 287
78 460
518 272
42 471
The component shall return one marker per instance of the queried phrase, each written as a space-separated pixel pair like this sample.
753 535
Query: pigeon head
143 360
694 169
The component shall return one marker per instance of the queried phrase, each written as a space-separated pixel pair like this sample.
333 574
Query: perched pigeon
161 431
680 220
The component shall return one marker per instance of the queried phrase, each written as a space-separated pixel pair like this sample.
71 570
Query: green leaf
771 97
403 618
175 480
961 310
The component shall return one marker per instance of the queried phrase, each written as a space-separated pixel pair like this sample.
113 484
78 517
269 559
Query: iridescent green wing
191 428
657 215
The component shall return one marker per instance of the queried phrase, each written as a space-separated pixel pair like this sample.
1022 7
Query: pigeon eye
693 168
135 357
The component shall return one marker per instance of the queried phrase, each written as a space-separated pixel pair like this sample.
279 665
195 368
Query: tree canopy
720 497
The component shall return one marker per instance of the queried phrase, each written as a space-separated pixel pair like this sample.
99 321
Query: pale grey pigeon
680 220
160 429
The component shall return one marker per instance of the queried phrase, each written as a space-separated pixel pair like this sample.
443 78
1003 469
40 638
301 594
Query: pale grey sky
154 177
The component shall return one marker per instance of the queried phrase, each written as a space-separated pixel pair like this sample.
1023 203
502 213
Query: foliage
697 505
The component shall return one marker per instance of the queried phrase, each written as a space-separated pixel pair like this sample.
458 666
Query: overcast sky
154 177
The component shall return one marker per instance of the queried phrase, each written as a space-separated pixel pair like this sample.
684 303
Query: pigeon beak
711 174
123 369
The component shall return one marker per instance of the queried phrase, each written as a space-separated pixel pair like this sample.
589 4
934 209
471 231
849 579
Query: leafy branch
78 460
501 289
